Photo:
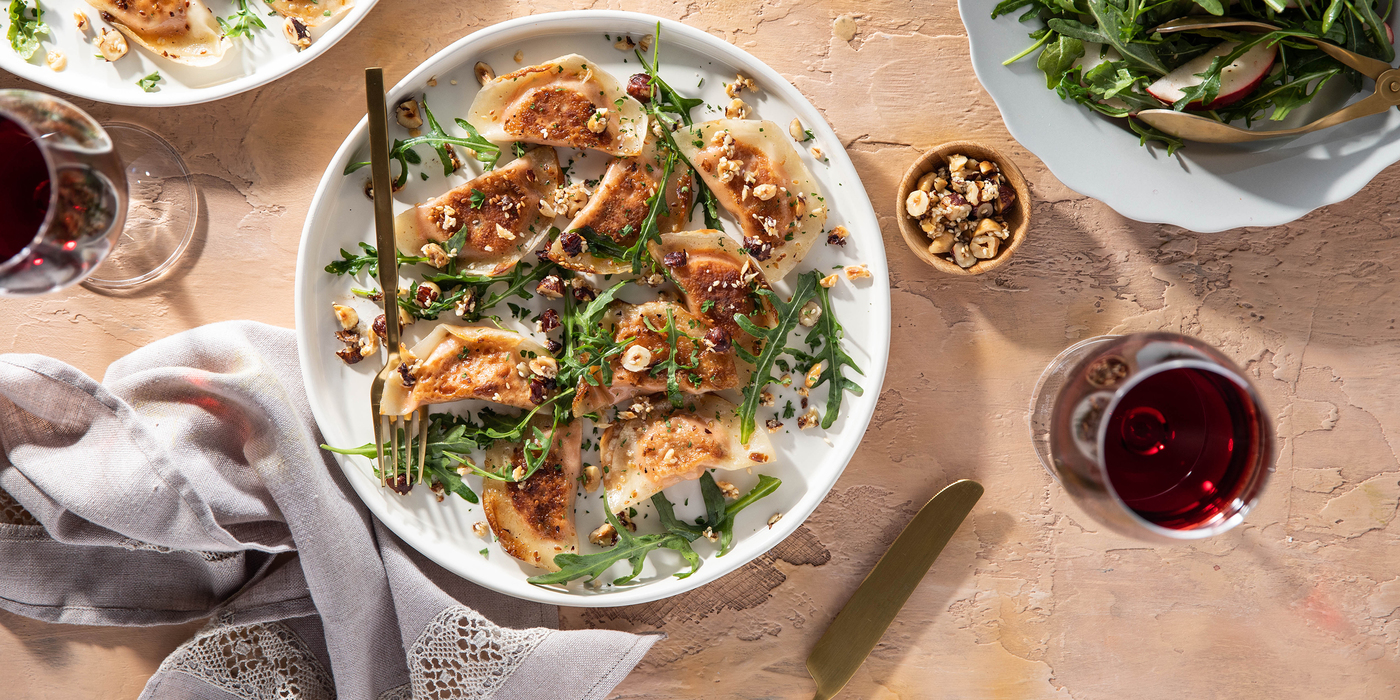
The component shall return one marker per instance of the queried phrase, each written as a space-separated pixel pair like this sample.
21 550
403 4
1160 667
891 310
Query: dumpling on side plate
564 102
500 210
311 13
714 368
534 518
718 280
184 31
455 363
619 206
644 455
760 178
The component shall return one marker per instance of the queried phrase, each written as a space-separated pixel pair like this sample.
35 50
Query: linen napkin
189 484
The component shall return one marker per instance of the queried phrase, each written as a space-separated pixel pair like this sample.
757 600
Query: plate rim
52 80
1139 208
875 258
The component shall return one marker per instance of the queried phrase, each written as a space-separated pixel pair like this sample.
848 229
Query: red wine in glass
1156 435
1180 445
24 189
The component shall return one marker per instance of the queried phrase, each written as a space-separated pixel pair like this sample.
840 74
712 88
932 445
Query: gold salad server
860 624
1197 128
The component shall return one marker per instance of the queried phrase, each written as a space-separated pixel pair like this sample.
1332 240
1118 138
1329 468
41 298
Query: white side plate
341 216
250 62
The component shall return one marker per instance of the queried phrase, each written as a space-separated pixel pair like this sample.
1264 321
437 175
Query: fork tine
394 449
379 423
422 416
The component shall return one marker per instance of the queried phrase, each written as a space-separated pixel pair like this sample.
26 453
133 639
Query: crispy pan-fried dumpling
643 455
312 13
564 102
534 519
714 369
469 362
619 206
500 210
759 177
184 31
718 280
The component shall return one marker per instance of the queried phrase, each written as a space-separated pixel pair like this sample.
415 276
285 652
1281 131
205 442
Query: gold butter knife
860 624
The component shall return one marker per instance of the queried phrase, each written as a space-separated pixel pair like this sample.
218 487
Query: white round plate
1204 187
250 62
341 216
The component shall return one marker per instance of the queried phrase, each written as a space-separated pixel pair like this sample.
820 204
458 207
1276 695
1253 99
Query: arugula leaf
450 437
1148 133
631 548
26 26
241 22
471 290
588 346
1114 29
1214 7
402 150
1204 92
351 264
1058 57
666 511
601 246
774 342
672 365
834 359
148 83
725 525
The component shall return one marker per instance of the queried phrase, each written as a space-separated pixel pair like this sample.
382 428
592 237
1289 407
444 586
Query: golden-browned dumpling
471 362
500 210
759 177
184 31
718 280
643 455
714 368
619 206
311 12
534 518
565 102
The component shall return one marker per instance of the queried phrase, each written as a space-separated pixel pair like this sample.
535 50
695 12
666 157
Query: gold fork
415 424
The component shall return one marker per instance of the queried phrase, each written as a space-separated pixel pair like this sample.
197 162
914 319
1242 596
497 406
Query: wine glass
71 189
1156 435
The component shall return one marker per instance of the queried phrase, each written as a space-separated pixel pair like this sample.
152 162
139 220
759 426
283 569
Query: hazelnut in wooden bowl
964 208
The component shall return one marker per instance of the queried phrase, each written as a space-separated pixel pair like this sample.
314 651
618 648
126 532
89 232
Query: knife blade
865 617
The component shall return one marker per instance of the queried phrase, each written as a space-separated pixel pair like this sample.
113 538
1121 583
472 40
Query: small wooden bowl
1018 219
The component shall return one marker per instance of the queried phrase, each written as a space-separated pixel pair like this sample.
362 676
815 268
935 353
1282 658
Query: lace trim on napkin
12 513
264 661
403 692
463 656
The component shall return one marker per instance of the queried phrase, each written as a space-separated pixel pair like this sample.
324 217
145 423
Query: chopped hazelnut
916 203
407 113
519 57
855 272
624 43
765 192
830 280
737 109
810 313
437 257
810 419
112 45
636 358
545 367
346 315
729 490
484 74
837 236
796 131
598 123
773 520
481 529
297 34
551 287
56 60
80 21
604 536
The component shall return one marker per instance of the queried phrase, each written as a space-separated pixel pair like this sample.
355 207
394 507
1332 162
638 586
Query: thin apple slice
1237 80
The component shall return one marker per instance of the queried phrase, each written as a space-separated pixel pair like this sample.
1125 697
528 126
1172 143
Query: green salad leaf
26 26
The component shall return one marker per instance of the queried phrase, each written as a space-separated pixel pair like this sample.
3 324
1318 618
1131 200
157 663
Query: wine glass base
1047 389
161 214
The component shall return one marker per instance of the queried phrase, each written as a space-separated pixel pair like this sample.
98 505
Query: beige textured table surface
1030 600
